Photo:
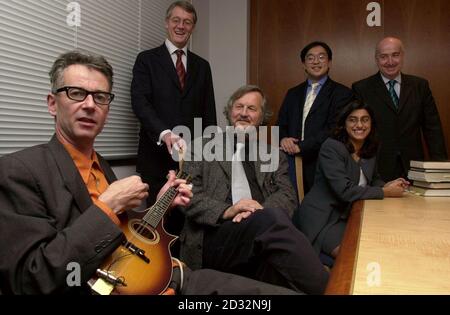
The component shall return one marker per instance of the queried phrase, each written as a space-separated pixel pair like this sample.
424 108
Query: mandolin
142 264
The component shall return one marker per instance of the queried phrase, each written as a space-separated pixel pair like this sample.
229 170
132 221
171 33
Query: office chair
299 177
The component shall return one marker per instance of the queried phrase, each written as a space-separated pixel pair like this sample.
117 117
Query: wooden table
395 246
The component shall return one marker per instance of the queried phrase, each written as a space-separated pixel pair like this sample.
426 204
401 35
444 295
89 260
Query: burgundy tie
180 68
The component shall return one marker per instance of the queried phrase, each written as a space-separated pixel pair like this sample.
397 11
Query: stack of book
430 178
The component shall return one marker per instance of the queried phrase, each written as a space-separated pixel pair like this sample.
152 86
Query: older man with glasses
172 86
61 205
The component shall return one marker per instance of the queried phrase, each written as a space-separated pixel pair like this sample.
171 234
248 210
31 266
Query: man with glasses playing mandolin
63 213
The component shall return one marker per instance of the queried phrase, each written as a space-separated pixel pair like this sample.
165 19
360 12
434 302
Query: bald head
389 41
389 55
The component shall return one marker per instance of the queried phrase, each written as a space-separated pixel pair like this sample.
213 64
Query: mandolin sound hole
144 231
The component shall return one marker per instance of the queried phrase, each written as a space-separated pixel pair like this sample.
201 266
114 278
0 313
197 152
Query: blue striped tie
392 93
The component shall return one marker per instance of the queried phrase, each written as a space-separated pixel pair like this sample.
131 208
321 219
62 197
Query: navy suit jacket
400 131
48 220
160 104
320 121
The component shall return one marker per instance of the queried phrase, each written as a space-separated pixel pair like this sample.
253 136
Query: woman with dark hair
346 172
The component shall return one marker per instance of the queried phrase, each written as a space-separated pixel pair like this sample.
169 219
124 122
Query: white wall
124 171
221 37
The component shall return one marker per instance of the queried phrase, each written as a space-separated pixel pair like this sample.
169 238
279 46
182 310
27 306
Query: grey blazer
212 186
48 220
334 190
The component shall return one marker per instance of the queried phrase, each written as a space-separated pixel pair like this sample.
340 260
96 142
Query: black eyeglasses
78 94
311 58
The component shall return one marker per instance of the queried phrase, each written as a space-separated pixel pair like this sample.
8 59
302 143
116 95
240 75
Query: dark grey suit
335 189
266 239
47 220
400 131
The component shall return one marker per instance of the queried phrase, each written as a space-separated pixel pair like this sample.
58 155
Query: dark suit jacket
160 104
320 121
47 220
335 188
400 130
212 187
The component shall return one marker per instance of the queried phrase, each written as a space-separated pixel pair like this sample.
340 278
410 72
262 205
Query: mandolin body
142 277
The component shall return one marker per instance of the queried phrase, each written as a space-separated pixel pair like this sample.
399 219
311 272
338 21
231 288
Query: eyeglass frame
322 57
93 93
186 22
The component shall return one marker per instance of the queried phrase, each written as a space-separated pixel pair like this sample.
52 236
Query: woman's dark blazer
334 190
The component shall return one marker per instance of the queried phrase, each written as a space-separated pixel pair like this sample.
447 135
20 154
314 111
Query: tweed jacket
212 187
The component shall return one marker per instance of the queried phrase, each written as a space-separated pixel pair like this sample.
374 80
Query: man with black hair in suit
404 110
309 110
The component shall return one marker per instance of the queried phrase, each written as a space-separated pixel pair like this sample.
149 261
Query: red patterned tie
180 68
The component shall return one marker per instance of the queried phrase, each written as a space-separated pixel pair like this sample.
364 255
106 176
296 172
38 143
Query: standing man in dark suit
309 111
404 109
171 86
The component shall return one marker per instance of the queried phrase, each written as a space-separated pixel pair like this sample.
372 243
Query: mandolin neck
156 212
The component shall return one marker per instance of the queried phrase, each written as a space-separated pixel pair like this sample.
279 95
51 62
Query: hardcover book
429 192
430 165
429 176
443 185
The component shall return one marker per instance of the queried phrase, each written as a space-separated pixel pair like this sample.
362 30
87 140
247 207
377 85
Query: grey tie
240 188
308 104
392 92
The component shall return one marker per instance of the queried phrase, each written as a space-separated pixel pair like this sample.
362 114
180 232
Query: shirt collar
82 162
172 48
398 79
321 81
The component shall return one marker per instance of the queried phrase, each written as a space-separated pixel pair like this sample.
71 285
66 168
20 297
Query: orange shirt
93 177
96 184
